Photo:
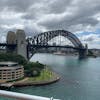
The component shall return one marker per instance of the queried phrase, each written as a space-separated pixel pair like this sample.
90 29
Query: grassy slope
45 75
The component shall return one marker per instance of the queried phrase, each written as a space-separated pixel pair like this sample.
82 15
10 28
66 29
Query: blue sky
35 16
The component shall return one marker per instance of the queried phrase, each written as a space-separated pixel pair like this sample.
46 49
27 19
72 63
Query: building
11 71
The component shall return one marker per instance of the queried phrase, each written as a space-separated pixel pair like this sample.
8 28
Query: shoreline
35 83
55 79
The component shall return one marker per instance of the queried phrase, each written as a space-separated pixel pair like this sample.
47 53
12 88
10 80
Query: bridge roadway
29 48
58 46
41 46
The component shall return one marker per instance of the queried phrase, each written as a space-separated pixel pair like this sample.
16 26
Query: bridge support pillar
83 52
11 39
21 43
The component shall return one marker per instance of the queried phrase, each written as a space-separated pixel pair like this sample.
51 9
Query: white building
11 71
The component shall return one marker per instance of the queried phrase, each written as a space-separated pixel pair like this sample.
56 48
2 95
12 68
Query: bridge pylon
83 52
11 39
18 39
21 43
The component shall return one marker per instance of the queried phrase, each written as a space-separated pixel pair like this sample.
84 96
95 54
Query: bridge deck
42 46
58 46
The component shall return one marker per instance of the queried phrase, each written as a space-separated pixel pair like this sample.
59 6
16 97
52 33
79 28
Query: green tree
33 68
12 57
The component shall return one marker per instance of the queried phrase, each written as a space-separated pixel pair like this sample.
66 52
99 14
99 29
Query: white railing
21 96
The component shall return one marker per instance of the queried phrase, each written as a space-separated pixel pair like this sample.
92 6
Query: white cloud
8 15
14 26
91 37
93 40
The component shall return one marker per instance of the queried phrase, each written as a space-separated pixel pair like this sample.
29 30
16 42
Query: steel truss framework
41 41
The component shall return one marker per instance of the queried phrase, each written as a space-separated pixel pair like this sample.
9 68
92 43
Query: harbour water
80 79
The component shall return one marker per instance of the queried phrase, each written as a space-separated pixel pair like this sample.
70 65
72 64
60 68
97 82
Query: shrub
33 68
12 57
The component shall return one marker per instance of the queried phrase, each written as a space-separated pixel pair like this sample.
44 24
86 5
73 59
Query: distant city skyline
35 16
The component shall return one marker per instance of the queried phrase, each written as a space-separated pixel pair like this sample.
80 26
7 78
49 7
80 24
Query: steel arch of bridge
41 40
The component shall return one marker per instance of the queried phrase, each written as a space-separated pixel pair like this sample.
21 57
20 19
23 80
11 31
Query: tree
13 57
33 68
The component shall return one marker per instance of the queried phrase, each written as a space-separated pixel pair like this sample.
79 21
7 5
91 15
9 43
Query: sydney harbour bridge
17 42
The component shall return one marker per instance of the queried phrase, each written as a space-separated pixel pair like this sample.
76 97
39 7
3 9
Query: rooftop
10 68
8 63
